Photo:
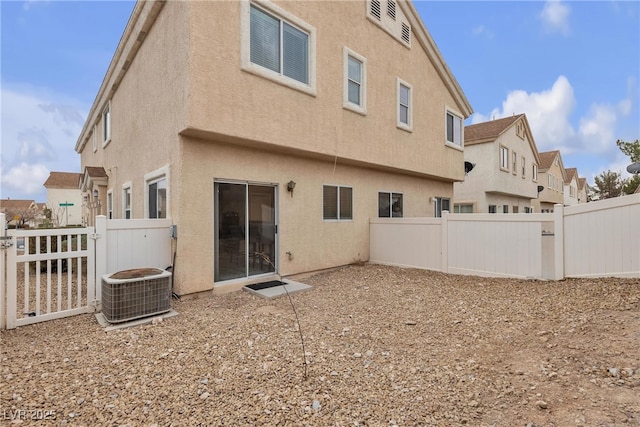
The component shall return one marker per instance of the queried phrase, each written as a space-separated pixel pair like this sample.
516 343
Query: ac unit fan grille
124 300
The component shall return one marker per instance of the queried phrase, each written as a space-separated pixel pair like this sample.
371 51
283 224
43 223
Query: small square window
337 202
389 205
442 204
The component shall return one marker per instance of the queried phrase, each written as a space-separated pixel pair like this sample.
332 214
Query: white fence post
558 242
101 253
445 242
3 278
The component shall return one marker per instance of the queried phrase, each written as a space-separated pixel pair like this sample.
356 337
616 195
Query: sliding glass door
245 230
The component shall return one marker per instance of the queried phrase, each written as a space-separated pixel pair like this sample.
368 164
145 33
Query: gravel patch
384 346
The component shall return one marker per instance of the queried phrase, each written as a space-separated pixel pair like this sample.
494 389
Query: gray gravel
384 346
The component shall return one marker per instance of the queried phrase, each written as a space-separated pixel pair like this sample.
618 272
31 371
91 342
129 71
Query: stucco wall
229 101
65 215
488 184
147 111
314 243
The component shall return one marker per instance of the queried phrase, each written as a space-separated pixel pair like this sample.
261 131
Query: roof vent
406 33
375 9
391 9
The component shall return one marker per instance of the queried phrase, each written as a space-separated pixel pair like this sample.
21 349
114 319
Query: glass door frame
216 219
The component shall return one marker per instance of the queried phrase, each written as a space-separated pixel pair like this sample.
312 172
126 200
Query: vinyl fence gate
50 274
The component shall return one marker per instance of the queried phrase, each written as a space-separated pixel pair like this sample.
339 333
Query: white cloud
39 131
555 17
597 129
547 112
482 31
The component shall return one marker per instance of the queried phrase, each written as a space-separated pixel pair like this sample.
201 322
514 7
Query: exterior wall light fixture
290 186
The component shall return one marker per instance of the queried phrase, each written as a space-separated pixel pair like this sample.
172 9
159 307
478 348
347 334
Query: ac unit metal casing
129 299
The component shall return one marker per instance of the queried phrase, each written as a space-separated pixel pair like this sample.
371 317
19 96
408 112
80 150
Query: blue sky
572 67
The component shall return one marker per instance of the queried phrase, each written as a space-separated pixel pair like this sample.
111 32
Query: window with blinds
278 45
337 202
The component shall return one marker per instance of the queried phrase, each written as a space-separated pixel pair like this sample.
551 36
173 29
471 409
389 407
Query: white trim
348 105
106 126
127 186
245 45
401 125
94 137
110 203
149 178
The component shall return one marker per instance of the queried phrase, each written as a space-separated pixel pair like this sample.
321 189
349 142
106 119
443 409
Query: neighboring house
504 178
552 177
97 199
583 190
270 132
64 198
22 213
571 187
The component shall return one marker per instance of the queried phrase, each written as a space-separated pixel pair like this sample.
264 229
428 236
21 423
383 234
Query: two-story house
571 187
271 131
64 199
504 177
582 190
552 178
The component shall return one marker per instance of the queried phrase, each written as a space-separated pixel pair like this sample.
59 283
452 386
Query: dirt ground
384 346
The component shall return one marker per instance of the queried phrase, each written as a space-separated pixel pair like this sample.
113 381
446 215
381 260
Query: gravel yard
384 346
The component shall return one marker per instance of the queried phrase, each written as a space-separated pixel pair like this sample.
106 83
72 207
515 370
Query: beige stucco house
504 178
22 213
271 131
64 199
582 190
571 185
552 176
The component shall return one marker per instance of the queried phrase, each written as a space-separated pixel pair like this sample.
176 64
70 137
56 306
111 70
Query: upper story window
106 124
389 205
514 168
523 166
355 78
535 172
94 138
337 202
278 46
454 129
504 158
405 112
550 181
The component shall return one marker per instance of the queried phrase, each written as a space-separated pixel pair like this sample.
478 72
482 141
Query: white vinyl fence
47 274
597 239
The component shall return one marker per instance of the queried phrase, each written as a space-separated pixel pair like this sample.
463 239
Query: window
505 208
158 198
515 209
492 209
337 202
404 106
504 158
106 124
442 204
527 209
126 201
550 181
389 205
535 172
523 167
454 129
110 204
514 169
278 46
463 208
355 79
94 138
